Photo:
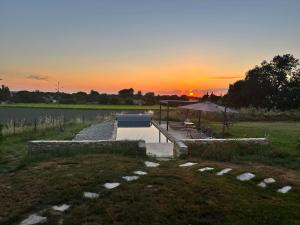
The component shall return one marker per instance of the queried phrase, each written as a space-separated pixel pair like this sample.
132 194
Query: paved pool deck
101 131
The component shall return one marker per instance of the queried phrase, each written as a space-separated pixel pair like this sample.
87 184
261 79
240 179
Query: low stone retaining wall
229 140
133 148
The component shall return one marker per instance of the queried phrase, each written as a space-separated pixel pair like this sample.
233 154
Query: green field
80 106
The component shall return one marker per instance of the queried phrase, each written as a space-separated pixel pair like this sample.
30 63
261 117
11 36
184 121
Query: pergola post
168 116
159 113
224 122
199 119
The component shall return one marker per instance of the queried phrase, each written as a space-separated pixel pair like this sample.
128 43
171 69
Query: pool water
150 134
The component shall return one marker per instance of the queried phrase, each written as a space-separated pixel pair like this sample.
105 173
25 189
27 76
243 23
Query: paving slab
269 180
140 173
151 164
224 171
130 178
245 176
111 185
284 189
206 169
188 164
90 195
101 131
34 219
61 208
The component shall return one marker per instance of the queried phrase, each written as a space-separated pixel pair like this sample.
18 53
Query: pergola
209 107
171 103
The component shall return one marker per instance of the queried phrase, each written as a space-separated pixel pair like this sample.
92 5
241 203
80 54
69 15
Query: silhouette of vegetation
271 85
274 84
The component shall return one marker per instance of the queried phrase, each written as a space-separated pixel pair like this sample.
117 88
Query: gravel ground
101 131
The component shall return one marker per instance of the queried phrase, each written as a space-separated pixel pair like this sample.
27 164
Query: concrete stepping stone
224 171
111 185
262 184
188 164
130 178
284 189
140 173
206 169
90 195
34 219
269 180
61 208
151 164
245 176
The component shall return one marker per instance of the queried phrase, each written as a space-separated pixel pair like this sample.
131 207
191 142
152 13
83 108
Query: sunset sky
166 46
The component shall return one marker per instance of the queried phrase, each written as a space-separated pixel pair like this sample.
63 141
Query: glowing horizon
168 47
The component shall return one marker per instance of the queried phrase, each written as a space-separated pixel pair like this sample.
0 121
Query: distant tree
150 98
29 97
205 97
273 84
4 93
139 94
126 93
214 98
80 97
93 96
114 100
103 99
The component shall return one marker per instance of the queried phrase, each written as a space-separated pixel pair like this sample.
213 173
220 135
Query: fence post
14 127
35 125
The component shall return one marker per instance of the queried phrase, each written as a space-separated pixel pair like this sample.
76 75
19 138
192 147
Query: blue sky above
68 39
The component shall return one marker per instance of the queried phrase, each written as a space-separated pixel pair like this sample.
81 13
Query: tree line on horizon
273 85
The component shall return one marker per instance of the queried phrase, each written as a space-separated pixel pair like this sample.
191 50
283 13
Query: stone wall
229 140
133 148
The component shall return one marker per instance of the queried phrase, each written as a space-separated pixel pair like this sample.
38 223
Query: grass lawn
80 106
13 148
167 195
284 148
283 135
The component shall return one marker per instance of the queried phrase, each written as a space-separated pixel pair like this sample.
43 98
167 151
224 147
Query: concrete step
160 150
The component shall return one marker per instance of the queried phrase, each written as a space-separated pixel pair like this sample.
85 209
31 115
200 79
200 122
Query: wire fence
19 126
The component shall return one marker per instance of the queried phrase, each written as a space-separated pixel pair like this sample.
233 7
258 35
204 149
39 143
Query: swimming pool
150 134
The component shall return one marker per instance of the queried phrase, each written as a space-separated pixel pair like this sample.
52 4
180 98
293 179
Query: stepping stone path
151 164
284 190
90 195
61 208
140 173
245 176
206 169
130 178
34 219
224 171
111 185
188 164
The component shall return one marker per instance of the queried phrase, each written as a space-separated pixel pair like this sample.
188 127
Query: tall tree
269 85
4 93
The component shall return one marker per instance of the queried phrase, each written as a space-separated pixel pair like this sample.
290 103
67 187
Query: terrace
160 139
